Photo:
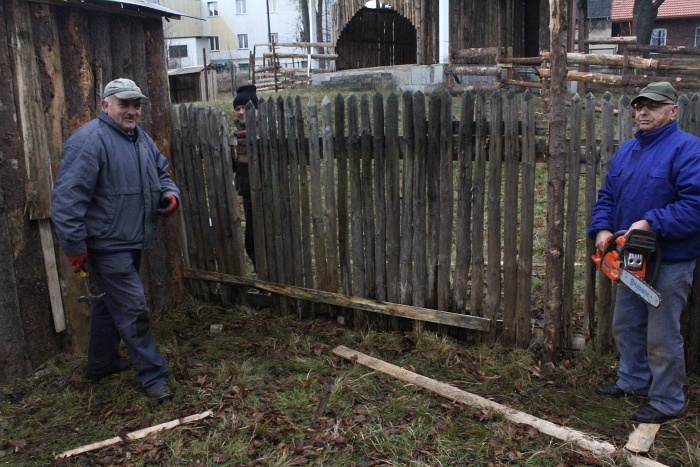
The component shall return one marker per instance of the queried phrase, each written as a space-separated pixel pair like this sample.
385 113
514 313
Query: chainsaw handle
612 241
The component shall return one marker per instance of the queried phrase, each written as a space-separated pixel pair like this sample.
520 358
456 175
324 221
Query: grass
280 397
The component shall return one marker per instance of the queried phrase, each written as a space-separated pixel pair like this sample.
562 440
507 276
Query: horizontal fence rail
395 199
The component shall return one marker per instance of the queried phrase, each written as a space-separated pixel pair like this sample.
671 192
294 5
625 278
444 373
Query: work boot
613 390
649 414
161 393
122 364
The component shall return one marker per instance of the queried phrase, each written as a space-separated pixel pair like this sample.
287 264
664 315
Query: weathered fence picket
356 210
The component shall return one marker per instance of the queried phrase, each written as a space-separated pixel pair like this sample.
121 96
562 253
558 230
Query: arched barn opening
376 37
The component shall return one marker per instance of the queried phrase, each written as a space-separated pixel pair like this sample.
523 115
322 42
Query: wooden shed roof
622 9
138 7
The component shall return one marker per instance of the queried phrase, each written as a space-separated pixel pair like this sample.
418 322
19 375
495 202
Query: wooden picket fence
393 206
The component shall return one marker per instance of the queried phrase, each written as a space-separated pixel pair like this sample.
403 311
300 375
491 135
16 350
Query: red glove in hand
77 260
168 205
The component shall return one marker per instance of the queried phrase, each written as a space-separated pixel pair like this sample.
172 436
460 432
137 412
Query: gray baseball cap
124 89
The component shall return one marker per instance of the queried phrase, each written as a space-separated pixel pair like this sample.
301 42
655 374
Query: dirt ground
279 396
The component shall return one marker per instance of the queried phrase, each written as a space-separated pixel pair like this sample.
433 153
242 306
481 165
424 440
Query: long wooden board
583 440
331 298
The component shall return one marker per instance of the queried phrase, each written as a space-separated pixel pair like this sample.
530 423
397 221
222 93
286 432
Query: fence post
446 199
419 201
393 200
379 180
571 220
406 256
527 218
604 338
479 193
589 299
464 204
493 207
510 219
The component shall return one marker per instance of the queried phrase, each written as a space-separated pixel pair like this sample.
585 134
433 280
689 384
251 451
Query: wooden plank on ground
642 437
569 435
357 303
138 434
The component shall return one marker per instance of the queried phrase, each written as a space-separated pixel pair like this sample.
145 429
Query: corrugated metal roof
622 9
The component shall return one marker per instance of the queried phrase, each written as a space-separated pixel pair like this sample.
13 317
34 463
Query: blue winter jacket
108 189
655 176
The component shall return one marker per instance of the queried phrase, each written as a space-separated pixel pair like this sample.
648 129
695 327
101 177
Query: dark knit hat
244 94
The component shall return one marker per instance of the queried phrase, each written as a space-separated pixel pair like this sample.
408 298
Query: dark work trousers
249 236
122 314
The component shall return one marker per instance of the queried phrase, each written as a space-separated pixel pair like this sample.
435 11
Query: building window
658 37
243 41
272 4
241 8
177 51
213 8
214 43
697 37
274 37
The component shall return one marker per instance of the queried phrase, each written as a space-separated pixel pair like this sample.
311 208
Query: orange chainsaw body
611 263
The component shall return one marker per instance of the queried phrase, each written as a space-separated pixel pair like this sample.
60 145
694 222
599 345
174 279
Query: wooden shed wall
473 23
55 61
423 14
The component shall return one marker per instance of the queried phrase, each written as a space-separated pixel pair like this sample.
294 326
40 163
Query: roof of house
622 9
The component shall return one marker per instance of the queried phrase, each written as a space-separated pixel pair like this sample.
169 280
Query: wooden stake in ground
583 440
138 434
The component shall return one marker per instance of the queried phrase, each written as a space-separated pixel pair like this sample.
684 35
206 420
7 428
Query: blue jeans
122 314
649 339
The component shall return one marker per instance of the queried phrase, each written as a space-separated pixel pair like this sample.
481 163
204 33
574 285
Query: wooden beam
569 435
616 61
612 40
332 298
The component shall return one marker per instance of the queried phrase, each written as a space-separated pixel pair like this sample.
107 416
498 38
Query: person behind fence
653 183
244 94
111 187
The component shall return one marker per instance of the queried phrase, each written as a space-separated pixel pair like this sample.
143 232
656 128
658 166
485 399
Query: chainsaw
625 258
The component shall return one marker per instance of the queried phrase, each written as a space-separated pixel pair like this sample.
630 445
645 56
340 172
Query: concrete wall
412 78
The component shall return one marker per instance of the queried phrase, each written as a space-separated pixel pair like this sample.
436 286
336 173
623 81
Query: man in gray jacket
111 187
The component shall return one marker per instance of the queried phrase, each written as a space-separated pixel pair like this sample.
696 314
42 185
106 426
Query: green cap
124 89
658 92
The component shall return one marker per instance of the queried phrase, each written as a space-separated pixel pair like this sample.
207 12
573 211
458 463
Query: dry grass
280 397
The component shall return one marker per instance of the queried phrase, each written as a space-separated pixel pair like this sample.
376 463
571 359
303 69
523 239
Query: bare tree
644 13
305 21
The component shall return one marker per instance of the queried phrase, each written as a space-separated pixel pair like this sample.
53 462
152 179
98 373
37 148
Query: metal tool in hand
88 297
625 258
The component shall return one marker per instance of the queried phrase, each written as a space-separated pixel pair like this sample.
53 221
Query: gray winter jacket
108 189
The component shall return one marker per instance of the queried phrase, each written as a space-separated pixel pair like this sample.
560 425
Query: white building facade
229 29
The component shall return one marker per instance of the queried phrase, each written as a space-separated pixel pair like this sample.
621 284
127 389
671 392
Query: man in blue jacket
653 184
111 186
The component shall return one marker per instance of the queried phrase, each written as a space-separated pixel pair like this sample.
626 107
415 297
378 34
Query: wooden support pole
375 306
583 440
